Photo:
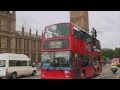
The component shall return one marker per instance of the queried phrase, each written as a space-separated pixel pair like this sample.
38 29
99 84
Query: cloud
106 21
109 39
109 23
39 19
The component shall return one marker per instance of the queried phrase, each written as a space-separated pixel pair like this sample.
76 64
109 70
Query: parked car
15 65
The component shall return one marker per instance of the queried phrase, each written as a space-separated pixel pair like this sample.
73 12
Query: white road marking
97 77
107 75
101 76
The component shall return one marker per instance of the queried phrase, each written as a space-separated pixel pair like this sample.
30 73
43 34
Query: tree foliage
117 52
110 53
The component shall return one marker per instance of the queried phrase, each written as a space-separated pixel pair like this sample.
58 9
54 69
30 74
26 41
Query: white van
15 65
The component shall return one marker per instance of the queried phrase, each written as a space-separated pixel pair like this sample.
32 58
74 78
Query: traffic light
95 33
92 32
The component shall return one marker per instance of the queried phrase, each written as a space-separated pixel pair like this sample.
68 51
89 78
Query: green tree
104 58
107 53
117 52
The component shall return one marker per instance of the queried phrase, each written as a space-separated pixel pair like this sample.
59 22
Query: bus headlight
43 75
67 72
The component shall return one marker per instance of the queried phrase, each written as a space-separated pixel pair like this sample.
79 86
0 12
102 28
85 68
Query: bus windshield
56 60
2 63
58 30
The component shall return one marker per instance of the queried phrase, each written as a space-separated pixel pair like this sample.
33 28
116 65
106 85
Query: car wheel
13 76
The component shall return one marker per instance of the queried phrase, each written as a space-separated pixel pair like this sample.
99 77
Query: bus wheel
13 76
83 76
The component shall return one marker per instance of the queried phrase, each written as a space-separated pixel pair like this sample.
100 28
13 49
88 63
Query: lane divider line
101 76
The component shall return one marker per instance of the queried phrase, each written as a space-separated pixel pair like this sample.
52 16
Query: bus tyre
34 73
83 76
13 76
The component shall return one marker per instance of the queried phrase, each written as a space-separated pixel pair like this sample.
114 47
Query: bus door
86 65
96 65
76 67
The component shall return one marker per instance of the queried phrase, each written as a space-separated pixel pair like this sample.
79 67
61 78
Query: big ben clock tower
80 18
7 31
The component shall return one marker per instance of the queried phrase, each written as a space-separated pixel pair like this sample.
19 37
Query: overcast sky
107 23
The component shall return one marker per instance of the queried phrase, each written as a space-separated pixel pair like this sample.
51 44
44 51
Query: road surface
106 74
31 77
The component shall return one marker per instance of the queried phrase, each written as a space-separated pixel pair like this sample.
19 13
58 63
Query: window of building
39 46
34 45
0 24
39 57
0 42
16 45
34 57
19 44
28 44
8 25
8 43
24 45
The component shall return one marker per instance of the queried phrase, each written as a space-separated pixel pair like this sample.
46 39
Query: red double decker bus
68 52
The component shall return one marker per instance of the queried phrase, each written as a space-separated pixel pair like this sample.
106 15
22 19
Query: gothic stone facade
80 18
12 41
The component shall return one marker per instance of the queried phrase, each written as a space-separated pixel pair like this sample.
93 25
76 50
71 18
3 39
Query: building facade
13 41
80 18
7 31
28 44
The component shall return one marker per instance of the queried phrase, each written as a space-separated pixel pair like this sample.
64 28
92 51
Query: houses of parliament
21 42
